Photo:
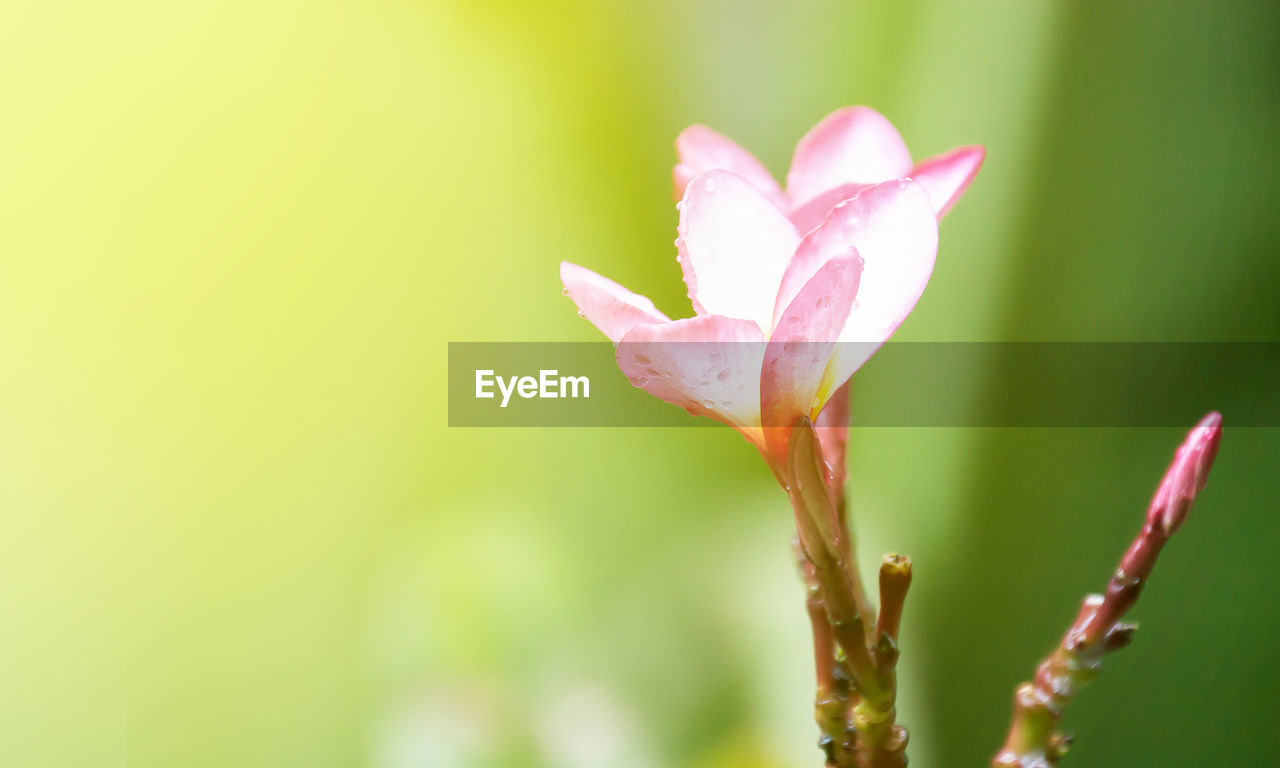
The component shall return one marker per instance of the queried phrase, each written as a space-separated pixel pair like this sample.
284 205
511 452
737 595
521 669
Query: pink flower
847 151
844 153
769 304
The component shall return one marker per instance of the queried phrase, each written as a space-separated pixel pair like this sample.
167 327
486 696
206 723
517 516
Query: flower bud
1186 476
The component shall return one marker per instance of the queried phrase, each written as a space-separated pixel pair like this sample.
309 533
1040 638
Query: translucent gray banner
903 384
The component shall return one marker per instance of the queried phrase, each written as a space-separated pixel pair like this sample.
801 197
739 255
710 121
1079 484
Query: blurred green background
236 237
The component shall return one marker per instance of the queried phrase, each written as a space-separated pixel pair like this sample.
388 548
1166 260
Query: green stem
831 704
870 659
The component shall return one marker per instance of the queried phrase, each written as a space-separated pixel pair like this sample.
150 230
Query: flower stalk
831 704
1035 739
858 726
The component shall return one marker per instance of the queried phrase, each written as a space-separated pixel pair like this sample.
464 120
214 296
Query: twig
1035 740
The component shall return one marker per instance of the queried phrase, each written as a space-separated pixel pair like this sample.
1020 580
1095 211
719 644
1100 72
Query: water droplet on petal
723 375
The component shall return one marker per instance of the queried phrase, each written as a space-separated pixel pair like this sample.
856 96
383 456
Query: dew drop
723 375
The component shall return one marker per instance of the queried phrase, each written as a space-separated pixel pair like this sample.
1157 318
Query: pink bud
1187 475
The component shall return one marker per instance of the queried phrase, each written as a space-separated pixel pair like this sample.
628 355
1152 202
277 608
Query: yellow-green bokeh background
236 237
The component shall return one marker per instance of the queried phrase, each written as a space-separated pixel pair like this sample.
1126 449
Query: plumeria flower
847 151
770 305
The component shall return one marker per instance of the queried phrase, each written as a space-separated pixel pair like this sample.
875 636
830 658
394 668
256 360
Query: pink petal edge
946 176
700 149
851 145
610 307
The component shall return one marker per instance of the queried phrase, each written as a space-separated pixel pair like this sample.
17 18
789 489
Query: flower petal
734 245
708 365
610 307
795 361
851 145
701 149
946 176
892 227
812 213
